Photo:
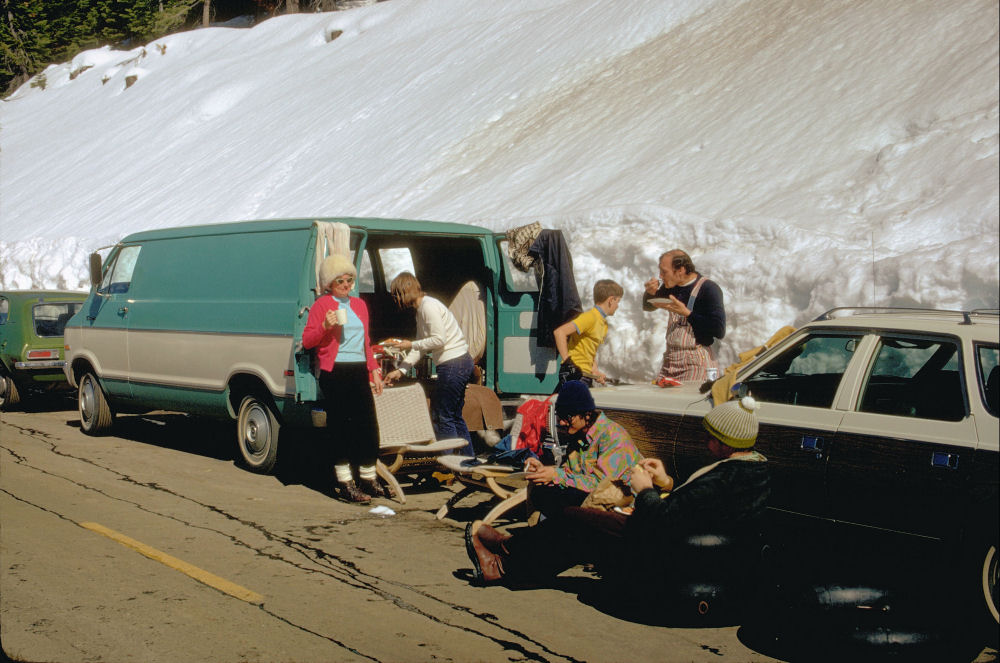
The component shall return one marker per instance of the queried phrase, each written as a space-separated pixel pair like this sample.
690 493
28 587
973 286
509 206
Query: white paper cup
341 316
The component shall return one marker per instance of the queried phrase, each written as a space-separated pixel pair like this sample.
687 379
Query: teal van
208 319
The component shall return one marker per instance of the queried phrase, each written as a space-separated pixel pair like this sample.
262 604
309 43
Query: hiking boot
487 566
372 487
349 492
491 538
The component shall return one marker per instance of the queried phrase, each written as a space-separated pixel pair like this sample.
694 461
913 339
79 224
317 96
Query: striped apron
684 358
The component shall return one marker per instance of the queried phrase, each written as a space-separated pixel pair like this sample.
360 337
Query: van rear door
523 366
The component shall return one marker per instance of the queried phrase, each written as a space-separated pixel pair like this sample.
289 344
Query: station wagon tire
96 417
987 594
257 431
10 397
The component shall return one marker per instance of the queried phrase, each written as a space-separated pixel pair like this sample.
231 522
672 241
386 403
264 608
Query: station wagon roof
977 323
270 225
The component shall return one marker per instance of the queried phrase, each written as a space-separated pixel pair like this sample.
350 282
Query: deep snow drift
807 155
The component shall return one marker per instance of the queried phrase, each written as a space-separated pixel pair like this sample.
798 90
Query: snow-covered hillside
807 154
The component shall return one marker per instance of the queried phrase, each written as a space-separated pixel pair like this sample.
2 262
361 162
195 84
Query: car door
523 366
104 331
797 389
904 452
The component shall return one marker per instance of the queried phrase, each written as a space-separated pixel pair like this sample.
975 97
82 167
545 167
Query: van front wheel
257 430
95 413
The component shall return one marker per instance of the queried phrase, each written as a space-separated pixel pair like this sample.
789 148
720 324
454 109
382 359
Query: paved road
310 578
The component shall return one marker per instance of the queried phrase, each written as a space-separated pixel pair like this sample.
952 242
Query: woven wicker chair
407 443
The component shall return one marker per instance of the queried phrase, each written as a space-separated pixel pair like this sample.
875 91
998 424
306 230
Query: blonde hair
406 290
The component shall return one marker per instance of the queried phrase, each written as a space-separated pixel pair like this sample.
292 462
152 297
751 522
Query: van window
518 280
366 277
51 319
4 307
118 277
394 262
915 377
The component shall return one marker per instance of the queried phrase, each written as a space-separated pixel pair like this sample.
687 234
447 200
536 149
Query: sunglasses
344 280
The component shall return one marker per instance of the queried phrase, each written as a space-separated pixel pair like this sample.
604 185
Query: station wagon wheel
257 430
10 397
95 413
989 573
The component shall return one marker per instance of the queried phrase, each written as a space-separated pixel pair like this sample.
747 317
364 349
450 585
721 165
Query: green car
31 341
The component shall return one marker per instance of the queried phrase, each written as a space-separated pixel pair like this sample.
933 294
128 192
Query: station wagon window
518 280
394 262
118 277
50 319
807 373
915 377
4 307
989 377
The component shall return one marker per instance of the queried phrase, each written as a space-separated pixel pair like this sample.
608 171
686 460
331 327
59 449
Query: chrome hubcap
87 399
256 430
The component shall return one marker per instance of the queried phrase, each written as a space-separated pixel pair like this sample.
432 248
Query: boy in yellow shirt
577 340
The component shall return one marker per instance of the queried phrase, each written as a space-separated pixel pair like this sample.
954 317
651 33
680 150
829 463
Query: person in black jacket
727 496
697 317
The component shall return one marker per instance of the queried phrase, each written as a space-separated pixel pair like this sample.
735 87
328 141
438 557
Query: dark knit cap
574 398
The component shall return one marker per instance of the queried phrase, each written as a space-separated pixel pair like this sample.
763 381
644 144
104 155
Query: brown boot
349 492
372 487
493 539
487 566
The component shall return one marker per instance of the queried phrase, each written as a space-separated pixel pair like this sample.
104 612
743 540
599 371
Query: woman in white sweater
439 335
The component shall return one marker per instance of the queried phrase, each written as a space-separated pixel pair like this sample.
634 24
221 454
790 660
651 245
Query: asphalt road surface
152 545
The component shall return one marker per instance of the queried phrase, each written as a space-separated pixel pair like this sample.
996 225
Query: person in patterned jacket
597 448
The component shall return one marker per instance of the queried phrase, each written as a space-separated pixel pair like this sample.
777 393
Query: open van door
523 367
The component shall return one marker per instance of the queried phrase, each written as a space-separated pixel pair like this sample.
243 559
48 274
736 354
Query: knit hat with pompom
734 423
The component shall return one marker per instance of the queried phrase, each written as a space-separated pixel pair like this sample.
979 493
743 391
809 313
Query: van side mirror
95 269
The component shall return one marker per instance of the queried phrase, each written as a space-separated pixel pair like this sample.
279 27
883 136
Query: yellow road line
198 574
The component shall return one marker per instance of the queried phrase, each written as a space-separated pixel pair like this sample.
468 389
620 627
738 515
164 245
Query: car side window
989 377
51 319
118 277
915 377
807 373
4 307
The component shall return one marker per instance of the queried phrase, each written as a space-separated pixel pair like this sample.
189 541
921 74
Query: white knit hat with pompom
734 423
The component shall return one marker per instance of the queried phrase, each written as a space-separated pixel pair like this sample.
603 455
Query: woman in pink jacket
338 328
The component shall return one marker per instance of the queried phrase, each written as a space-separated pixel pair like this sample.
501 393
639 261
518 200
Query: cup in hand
341 316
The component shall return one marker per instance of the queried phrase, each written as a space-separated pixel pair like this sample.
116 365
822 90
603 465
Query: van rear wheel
257 430
95 413
10 397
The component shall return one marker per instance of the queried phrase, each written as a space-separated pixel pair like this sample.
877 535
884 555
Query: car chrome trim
47 363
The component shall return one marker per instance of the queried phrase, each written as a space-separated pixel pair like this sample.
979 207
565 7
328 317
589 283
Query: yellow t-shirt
591 328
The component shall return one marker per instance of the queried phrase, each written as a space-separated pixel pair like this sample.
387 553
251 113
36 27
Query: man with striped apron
697 317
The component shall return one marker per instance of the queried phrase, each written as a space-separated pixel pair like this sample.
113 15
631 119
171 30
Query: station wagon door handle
813 444
944 460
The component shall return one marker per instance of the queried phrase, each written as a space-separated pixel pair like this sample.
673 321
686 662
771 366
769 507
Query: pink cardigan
328 340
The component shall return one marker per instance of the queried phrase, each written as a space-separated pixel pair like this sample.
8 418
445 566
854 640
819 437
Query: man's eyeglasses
344 280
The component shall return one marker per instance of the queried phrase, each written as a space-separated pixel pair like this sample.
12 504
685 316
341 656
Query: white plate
658 300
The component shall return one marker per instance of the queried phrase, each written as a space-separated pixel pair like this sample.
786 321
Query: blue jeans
448 400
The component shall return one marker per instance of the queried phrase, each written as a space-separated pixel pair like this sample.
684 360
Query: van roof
370 224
